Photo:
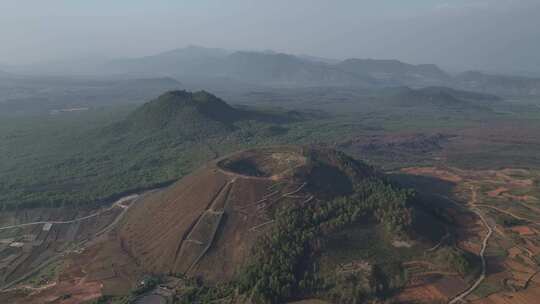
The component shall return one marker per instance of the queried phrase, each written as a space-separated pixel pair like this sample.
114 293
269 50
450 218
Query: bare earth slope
206 223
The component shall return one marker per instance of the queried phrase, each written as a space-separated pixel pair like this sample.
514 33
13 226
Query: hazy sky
479 34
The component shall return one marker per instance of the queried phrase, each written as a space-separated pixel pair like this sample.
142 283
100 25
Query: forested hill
157 143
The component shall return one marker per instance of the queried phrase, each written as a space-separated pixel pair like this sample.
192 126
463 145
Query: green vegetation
99 155
49 164
284 262
147 284
95 156
487 288
508 221
287 262
196 292
453 259
46 275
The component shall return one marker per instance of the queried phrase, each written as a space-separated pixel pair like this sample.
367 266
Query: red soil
430 289
523 230
497 192
73 286
528 296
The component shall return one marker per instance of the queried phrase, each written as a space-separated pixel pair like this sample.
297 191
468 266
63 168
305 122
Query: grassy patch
487 288
46 275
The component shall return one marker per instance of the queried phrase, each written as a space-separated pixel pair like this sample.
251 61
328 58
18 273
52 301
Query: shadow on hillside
435 212
423 184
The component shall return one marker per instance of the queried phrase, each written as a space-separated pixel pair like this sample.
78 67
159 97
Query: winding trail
480 279
118 204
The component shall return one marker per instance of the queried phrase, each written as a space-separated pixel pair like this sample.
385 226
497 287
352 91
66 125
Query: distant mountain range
271 68
498 84
394 72
252 67
213 68
278 69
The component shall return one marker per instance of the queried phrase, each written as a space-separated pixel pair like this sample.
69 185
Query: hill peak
182 109
230 193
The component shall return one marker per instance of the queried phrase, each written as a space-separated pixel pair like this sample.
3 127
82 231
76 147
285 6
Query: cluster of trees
356 288
283 262
454 259
146 284
348 289
196 292
508 221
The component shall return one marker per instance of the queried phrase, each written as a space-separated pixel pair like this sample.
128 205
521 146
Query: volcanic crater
205 224
265 163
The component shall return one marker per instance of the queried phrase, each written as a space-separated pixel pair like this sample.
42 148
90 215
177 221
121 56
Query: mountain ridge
279 69
391 66
214 67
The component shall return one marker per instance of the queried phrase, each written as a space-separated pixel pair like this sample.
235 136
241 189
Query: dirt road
474 209
118 204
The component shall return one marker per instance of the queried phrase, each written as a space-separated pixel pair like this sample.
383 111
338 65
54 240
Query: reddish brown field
73 282
497 192
516 275
524 230
530 295
432 288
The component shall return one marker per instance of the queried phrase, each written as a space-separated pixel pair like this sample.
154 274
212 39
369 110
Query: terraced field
36 244
506 204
